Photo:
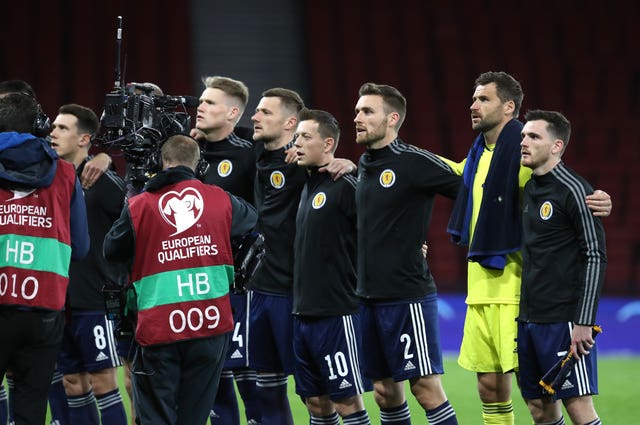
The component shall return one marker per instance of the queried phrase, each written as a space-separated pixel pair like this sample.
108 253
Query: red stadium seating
584 64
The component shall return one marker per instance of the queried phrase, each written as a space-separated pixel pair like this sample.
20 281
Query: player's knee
320 406
580 409
494 387
388 393
428 391
104 381
349 406
535 409
76 384
543 410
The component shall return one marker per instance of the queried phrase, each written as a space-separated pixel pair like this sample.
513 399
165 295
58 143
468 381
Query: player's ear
291 123
509 107
85 140
558 146
394 118
329 143
232 115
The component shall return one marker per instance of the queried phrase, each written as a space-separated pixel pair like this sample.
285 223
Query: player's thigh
489 338
410 331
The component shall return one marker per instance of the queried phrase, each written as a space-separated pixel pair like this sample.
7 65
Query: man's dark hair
291 100
507 87
17 112
392 99
88 122
16 86
327 124
557 124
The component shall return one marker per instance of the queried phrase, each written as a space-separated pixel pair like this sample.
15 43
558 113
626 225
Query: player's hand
93 169
291 157
197 134
599 203
581 341
338 168
425 249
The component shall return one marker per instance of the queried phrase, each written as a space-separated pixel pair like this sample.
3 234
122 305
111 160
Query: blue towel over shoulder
498 230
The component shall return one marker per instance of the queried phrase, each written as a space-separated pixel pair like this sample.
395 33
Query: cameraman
88 358
232 166
43 227
57 398
176 236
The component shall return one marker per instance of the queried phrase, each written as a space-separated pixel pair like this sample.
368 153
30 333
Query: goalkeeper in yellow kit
487 218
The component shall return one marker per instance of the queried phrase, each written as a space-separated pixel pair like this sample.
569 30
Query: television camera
137 119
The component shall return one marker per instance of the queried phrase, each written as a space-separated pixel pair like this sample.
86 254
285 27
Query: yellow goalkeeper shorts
489 340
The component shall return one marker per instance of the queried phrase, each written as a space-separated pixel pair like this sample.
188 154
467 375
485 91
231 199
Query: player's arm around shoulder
457 167
431 172
244 216
119 242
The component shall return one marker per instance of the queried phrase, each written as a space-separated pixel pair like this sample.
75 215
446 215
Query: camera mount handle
118 82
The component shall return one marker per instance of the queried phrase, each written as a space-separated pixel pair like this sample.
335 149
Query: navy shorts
126 348
540 346
400 339
88 343
327 352
237 357
271 333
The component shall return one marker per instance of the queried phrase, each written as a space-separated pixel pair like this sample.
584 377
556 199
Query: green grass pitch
618 402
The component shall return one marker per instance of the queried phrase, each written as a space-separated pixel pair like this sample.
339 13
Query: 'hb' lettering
22 252
202 285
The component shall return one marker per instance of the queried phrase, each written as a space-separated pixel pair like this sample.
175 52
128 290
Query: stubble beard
371 137
264 139
485 125
268 140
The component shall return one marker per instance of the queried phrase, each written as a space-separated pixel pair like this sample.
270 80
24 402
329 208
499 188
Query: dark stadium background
582 58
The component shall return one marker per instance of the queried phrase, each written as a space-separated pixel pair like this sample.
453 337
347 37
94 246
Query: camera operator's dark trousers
29 345
175 384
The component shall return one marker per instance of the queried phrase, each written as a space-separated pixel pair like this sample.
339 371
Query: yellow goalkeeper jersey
490 286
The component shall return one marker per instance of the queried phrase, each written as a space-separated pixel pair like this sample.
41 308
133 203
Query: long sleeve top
564 254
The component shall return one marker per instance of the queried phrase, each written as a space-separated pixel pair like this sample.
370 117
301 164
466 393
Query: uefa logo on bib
181 210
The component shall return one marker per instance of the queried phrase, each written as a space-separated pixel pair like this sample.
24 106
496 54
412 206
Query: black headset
41 124
202 168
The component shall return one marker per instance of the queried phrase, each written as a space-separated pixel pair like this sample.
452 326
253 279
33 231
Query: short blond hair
181 149
231 87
